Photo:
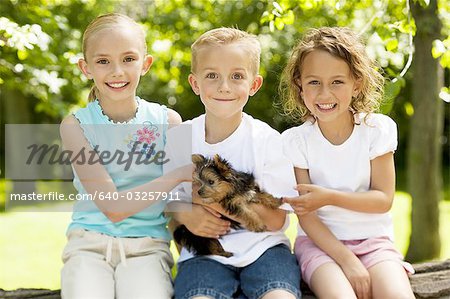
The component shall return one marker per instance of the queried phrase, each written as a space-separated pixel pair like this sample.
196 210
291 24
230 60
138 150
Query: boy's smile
224 80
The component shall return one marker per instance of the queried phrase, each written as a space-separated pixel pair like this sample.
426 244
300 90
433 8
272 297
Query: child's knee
279 294
395 294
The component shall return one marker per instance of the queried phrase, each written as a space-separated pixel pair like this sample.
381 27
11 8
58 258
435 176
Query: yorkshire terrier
235 191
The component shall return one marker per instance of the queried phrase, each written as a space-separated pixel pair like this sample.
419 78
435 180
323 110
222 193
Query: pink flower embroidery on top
143 140
146 136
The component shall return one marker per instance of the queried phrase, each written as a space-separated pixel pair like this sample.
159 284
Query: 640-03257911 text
97 195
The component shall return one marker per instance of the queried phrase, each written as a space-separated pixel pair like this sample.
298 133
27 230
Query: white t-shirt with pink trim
345 167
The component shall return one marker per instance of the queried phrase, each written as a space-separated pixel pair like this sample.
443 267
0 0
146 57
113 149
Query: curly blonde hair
224 36
342 43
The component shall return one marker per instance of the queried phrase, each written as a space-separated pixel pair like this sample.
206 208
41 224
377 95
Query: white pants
99 266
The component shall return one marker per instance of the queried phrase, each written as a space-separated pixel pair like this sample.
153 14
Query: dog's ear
198 159
223 166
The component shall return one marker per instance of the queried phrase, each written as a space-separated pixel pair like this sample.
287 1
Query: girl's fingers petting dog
303 203
300 211
297 203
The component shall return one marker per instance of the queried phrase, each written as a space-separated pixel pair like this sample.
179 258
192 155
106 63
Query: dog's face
213 176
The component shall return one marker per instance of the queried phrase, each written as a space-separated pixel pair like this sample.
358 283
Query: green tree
40 41
425 150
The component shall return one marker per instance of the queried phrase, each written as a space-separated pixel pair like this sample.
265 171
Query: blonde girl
344 166
118 244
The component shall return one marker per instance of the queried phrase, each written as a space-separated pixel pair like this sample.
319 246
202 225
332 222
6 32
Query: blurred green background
40 43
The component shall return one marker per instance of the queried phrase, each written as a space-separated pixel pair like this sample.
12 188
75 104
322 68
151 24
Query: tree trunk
424 149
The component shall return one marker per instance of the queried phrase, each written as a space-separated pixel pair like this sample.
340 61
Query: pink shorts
369 251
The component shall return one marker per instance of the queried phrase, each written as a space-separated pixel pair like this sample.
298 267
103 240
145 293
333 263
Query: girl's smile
326 107
117 85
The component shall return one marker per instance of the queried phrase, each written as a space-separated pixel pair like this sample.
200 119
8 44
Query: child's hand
314 198
359 278
206 223
184 173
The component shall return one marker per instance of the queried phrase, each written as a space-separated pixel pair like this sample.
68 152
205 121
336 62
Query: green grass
31 243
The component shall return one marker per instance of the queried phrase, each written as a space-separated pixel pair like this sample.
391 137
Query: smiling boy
225 65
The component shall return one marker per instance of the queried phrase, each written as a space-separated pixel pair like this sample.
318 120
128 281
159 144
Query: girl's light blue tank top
145 134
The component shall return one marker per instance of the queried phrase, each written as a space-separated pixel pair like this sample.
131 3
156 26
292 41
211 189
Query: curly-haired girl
344 165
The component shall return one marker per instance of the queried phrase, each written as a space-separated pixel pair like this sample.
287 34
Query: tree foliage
40 42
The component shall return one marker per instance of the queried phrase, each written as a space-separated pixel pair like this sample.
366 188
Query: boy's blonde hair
342 43
225 36
106 21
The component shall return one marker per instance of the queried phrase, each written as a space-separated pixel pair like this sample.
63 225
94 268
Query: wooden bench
431 280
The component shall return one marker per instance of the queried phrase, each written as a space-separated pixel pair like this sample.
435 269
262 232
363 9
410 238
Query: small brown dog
235 191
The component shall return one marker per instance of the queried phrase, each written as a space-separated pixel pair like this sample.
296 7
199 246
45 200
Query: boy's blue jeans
276 269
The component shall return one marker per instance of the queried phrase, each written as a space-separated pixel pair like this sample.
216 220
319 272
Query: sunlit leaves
392 44
277 17
409 109
172 26
441 49
40 48
445 94
424 3
392 89
22 37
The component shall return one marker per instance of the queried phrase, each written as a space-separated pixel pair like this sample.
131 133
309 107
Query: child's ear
357 87
194 84
83 66
298 84
256 85
148 61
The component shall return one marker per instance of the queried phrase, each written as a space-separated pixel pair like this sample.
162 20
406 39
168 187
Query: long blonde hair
342 43
103 22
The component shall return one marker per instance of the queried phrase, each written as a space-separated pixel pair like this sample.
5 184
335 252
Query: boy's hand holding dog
217 210
218 188
204 222
214 208
211 218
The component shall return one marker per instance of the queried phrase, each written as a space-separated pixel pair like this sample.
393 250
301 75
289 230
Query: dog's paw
255 227
226 254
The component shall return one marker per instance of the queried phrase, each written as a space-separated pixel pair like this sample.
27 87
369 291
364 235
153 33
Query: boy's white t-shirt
255 148
345 167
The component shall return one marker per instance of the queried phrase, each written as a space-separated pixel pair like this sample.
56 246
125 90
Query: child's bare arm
173 118
377 200
319 233
97 181
272 218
